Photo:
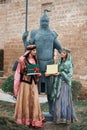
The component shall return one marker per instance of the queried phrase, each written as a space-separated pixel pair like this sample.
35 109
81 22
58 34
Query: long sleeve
67 75
17 79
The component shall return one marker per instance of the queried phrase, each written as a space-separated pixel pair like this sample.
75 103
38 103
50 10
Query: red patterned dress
27 109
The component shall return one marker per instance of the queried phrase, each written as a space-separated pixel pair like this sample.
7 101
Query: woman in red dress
27 109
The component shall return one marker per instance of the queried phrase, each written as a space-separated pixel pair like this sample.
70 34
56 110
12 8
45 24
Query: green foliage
76 88
7 85
7 123
81 110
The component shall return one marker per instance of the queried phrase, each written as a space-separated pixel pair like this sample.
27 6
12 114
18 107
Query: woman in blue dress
62 95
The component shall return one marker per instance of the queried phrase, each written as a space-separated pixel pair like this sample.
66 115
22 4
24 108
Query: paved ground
42 98
6 97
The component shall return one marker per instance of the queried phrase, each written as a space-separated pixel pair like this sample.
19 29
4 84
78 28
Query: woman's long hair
27 55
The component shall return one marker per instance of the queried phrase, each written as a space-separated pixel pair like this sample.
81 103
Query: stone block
48 116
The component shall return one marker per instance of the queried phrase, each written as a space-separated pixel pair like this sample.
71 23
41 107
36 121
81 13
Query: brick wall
2 24
67 17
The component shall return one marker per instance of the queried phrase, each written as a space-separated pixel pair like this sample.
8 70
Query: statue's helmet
44 20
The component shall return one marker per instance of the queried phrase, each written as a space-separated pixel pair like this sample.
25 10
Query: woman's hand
56 74
47 75
39 74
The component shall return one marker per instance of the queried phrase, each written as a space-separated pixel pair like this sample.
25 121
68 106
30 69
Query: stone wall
67 17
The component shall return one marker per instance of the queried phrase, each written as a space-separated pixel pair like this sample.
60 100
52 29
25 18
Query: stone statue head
44 20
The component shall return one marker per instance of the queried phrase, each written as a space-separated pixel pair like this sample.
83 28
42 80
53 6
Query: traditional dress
62 95
27 110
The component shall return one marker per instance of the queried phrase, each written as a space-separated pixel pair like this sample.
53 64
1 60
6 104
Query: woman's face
33 52
63 54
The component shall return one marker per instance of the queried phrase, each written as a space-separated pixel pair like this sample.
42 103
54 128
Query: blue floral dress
62 95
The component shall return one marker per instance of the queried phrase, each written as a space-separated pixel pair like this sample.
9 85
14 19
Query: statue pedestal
48 116
50 125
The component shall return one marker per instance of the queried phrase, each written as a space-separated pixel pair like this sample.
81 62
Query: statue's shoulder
34 32
54 34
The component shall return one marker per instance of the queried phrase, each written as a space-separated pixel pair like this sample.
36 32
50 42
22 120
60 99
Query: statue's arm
32 37
57 45
24 38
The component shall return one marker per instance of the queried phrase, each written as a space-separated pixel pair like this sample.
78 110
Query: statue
46 41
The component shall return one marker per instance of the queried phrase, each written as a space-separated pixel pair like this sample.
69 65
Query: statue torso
44 43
